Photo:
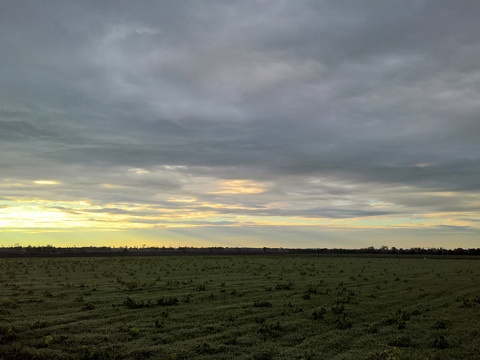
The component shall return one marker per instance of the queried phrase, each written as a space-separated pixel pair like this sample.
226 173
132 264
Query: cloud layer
236 117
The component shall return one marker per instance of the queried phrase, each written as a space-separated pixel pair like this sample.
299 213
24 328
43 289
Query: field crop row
242 307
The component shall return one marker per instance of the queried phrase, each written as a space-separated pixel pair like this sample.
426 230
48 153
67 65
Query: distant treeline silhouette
51 251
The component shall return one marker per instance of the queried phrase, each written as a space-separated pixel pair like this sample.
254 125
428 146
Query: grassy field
257 307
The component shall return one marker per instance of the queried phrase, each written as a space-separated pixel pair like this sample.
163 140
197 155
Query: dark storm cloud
377 94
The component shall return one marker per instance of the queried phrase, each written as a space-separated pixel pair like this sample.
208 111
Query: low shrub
171 301
441 323
205 348
284 286
88 306
440 343
319 313
262 303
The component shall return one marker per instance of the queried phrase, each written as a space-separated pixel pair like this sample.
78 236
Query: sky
301 124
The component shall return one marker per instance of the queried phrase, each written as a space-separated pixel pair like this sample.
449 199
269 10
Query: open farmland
242 307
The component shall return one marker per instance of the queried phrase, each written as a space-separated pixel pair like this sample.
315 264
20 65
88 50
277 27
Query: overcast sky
246 123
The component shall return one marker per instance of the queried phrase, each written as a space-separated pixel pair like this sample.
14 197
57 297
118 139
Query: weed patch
265 307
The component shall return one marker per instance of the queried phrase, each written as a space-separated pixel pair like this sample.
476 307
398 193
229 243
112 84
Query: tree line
52 251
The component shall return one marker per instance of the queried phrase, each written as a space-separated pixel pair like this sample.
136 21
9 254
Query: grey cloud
454 228
317 212
18 130
380 95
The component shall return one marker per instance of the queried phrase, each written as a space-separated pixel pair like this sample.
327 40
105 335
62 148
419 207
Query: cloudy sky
240 123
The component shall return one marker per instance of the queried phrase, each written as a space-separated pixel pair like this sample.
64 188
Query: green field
239 307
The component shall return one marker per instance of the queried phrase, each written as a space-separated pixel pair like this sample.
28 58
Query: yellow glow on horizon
46 182
225 206
180 200
32 217
138 171
36 216
441 193
112 186
13 185
240 187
